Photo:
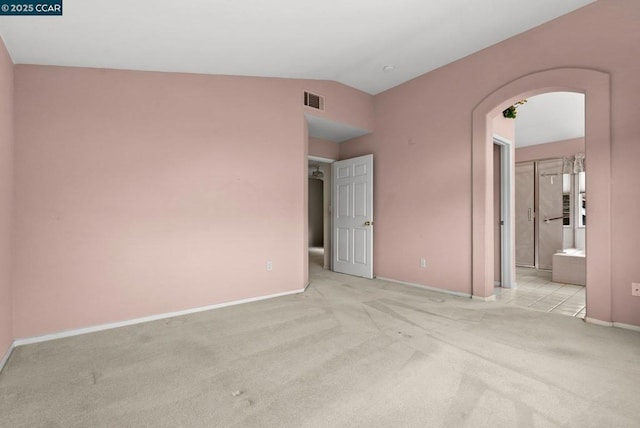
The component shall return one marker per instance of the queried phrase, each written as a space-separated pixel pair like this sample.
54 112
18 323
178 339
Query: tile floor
536 291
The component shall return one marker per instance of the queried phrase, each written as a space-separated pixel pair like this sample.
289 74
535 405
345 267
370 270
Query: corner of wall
7 142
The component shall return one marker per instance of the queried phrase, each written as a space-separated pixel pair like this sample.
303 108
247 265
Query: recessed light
388 68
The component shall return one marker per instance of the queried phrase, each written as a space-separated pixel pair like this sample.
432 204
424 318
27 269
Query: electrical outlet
269 265
635 289
423 263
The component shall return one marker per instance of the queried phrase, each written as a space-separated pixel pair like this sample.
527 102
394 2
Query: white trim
491 298
425 287
507 164
4 360
320 159
613 324
109 326
306 286
627 326
598 322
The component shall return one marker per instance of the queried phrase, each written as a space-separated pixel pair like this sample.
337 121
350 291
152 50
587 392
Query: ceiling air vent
313 101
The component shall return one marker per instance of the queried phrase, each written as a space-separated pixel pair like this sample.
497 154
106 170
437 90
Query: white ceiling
348 41
554 116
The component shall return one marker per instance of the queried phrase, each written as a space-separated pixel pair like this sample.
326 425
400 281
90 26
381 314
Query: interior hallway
347 352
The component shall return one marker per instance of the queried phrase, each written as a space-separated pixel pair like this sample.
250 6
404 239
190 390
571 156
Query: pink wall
504 127
422 148
142 193
564 148
324 148
358 146
137 185
6 196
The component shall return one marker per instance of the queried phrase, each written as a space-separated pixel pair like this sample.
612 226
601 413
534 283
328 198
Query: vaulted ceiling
371 45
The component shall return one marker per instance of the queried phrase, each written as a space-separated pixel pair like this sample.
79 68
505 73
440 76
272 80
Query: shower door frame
536 211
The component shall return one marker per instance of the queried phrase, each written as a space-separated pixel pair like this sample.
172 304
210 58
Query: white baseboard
627 326
491 298
426 287
613 324
306 286
109 326
598 322
4 359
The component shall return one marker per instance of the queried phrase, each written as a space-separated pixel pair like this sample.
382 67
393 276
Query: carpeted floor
347 353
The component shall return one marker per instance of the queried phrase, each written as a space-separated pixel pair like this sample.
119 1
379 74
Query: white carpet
347 353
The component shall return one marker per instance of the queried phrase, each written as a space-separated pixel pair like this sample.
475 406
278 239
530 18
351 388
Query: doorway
596 87
550 273
323 136
550 255
316 220
319 212
340 215
503 160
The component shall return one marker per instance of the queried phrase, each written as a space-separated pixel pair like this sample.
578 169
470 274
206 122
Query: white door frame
320 159
507 233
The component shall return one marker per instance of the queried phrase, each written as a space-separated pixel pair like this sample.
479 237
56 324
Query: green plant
512 111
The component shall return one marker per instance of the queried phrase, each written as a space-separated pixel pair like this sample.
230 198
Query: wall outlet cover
635 289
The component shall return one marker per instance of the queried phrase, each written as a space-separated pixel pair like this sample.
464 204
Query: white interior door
353 216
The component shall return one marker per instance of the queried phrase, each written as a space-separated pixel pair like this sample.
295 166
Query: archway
596 87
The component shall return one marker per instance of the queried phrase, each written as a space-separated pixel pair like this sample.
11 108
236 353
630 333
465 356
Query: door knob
368 223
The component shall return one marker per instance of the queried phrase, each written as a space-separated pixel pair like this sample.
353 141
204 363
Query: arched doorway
596 87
